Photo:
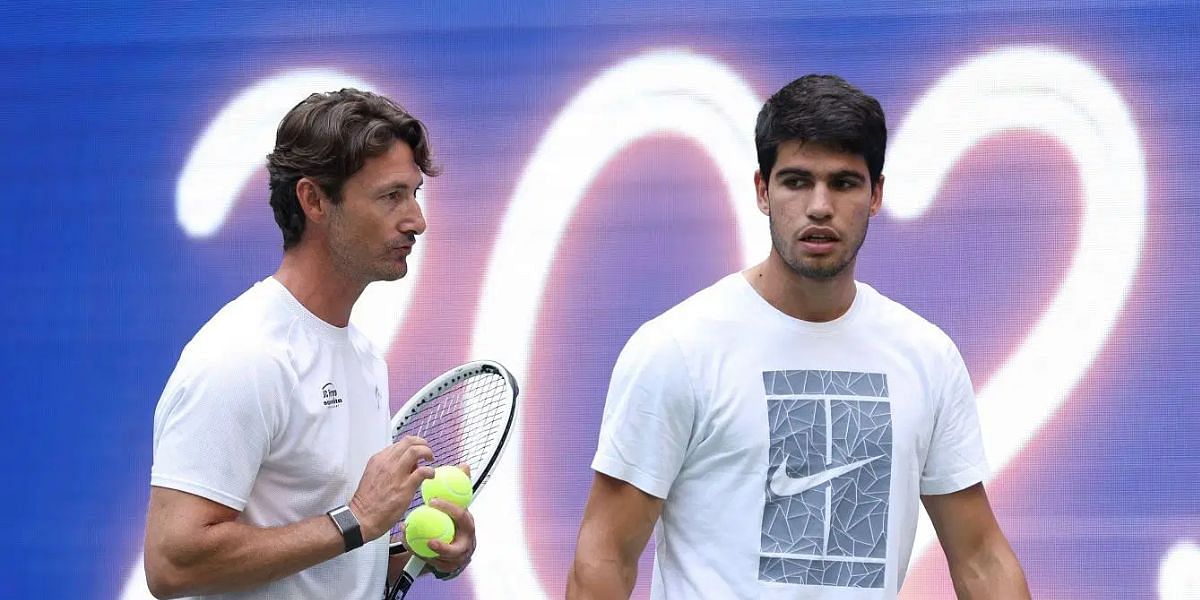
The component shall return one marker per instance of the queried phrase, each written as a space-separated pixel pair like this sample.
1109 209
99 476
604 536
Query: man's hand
457 553
452 556
388 484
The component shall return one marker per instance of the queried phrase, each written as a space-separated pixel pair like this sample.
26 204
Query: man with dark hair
777 429
274 473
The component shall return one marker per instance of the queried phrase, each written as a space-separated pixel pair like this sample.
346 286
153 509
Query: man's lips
818 240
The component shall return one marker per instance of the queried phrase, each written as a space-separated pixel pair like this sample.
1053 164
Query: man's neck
804 298
308 273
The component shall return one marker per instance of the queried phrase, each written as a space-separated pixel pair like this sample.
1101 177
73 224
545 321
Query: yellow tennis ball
450 484
427 523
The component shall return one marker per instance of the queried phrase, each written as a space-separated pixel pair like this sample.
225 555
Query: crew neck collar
314 323
753 296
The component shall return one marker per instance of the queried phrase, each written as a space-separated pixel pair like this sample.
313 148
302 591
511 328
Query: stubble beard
345 250
814 272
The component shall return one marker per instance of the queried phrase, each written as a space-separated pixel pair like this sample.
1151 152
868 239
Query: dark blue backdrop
102 285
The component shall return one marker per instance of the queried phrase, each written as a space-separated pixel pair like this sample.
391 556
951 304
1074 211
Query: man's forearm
231 556
595 578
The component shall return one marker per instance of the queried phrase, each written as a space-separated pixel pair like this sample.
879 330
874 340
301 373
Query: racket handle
405 581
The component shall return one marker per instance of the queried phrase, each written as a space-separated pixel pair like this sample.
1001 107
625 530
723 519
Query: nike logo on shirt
784 485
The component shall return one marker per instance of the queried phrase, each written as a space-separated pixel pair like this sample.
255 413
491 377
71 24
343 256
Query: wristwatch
444 576
347 523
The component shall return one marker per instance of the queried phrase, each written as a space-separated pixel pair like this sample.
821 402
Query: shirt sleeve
211 432
648 415
956 459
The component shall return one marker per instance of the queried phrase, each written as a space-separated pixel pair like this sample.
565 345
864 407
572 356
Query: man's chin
391 274
820 270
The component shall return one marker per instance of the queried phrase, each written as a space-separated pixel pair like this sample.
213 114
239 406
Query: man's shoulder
714 304
891 319
249 332
702 321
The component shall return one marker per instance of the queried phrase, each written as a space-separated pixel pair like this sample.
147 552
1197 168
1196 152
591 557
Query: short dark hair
327 138
825 110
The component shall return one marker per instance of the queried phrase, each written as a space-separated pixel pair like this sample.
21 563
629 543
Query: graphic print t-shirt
790 455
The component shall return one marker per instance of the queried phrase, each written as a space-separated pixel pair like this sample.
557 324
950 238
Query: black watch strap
444 576
347 523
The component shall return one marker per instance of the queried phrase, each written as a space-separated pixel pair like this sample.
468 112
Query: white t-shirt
790 455
273 412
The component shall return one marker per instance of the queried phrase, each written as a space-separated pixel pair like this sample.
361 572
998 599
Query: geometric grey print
833 383
828 478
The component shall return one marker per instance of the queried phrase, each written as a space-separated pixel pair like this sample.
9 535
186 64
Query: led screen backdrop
598 164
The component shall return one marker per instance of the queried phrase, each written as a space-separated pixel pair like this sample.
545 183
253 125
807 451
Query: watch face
343 518
347 523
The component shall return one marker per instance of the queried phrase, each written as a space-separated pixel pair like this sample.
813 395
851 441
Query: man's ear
760 193
877 196
313 200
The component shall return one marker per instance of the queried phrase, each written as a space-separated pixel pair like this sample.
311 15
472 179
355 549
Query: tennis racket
466 415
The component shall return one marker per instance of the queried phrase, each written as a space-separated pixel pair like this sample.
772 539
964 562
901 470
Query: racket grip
413 569
405 581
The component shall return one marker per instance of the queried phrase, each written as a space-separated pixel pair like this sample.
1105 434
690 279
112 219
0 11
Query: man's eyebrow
396 185
849 174
840 174
793 171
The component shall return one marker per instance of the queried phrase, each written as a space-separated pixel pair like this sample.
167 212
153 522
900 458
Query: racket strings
464 424
448 418
434 427
445 451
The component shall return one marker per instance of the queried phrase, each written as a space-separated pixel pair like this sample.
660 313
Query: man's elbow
600 574
163 580
166 578
583 578
990 574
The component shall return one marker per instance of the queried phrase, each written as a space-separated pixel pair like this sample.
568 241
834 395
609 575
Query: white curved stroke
229 152
234 145
674 92
1179 572
1048 91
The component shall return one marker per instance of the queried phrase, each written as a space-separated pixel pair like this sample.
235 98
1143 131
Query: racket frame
426 394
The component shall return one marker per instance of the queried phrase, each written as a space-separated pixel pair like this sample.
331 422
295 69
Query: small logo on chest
329 395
